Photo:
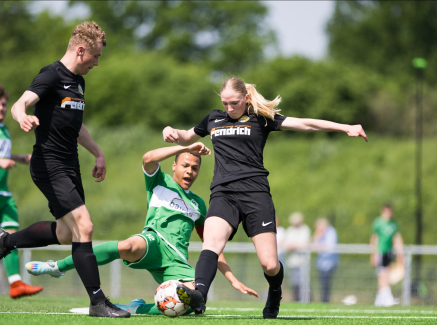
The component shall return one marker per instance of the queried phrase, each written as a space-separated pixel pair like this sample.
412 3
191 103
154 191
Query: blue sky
300 25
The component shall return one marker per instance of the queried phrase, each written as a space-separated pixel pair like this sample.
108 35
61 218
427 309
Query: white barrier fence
354 274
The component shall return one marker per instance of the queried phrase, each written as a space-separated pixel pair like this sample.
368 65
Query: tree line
165 60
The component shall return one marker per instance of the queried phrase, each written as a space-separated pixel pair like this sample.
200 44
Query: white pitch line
366 311
256 316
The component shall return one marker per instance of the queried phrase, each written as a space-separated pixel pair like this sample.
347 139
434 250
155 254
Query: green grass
34 310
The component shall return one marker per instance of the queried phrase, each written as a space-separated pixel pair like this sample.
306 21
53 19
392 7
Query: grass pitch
56 310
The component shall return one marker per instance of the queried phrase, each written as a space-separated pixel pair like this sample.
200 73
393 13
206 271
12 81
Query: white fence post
26 257
115 276
305 277
406 284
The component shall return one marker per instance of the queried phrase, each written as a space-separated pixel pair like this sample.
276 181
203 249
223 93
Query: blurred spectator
298 236
324 241
280 239
385 237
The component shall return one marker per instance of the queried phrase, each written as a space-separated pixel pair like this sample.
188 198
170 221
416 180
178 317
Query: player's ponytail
257 104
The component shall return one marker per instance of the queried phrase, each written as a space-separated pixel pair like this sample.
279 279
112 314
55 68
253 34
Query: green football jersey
172 212
5 152
385 230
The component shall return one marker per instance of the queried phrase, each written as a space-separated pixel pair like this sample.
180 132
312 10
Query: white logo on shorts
265 224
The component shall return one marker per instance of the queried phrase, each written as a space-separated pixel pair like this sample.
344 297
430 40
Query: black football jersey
60 112
238 147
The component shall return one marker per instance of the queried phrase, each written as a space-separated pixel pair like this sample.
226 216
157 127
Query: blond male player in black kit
240 190
58 95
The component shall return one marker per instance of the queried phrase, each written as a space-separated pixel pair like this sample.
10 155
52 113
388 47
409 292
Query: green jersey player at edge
161 248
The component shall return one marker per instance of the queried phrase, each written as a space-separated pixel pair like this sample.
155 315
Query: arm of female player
182 137
18 110
224 268
86 141
153 157
313 125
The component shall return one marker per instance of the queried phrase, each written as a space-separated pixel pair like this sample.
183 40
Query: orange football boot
19 289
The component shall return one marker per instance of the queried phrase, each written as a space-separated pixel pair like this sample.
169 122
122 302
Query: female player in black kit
58 95
240 190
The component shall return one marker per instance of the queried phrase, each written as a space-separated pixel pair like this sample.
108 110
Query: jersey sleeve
275 124
152 180
44 82
202 128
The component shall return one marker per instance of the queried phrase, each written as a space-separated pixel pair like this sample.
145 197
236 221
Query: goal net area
353 281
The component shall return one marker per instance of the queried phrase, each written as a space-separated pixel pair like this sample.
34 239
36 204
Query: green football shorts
161 260
8 213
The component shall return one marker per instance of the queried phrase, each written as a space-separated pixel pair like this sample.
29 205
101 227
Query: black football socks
275 281
85 263
206 268
39 234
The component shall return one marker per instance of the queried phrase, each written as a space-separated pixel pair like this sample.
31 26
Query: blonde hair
87 33
257 104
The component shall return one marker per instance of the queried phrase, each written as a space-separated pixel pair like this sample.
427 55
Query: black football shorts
62 186
255 210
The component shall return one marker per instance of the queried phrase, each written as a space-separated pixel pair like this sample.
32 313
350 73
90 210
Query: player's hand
246 290
7 163
99 169
356 131
199 148
29 123
170 135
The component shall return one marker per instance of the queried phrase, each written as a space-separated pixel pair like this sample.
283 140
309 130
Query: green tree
226 35
384 35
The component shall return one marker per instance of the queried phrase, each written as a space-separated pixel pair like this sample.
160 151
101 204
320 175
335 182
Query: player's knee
125 247
270 267
86 228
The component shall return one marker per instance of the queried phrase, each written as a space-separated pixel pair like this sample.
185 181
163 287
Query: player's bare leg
218 231
265 245
132 249
85 262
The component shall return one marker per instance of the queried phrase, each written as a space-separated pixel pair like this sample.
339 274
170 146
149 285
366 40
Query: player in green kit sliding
173 211
8 209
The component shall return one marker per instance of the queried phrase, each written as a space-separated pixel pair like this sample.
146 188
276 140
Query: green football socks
105 253
11 263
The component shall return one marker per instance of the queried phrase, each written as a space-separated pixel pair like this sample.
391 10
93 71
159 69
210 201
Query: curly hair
257 103
3 92
88 33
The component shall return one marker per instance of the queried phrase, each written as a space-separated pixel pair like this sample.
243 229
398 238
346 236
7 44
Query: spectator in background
298 236
280 241
385 236
324 241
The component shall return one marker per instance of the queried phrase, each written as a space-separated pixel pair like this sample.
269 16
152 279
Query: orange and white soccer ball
167 300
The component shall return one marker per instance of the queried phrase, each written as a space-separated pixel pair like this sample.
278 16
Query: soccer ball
167 300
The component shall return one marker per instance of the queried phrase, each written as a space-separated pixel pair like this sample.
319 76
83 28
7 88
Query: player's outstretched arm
314 125
153 157
86 141
227 272
23 159
18 110
182 137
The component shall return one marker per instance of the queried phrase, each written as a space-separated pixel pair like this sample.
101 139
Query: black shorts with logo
255 210
60 184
